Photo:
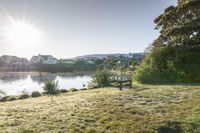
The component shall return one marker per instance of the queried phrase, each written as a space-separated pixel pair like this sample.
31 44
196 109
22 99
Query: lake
14 83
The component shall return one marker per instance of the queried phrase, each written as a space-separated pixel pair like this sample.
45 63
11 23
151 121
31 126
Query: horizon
74 56
71 28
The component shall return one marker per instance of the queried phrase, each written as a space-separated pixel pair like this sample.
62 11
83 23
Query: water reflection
40 79
15 83
9 78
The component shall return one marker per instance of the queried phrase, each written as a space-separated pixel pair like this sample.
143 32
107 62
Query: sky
69 28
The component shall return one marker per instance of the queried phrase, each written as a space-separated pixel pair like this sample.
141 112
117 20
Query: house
44 59
13 60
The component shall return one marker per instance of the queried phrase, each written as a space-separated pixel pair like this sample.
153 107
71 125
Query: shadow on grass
177 84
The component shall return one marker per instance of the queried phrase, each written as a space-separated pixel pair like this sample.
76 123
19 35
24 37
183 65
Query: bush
8 98
73 89
28 131
170 65
83 89
35 94
63 90
24 96
4 99
158 67
170 127
51 87
44 93
12 98
102 78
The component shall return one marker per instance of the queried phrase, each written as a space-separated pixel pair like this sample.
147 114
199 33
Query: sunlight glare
21 33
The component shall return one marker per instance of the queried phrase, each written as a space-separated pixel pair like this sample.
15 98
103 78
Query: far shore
35 73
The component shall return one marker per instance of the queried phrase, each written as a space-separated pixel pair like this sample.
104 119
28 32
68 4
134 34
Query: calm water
16 83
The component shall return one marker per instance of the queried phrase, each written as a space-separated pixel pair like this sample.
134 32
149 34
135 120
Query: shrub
11 98
102 78
28 131
24 96
44 93
35 94
83 89
63 90
160 66
51 87
170 127
149 70
4 99
73 89
8 98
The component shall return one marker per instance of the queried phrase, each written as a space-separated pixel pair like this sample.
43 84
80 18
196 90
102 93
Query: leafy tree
175 54
111 63
180 25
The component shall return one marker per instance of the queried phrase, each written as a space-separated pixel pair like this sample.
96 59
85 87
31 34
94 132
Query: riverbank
35 73
161 108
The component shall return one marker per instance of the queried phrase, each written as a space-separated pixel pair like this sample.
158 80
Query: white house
44 59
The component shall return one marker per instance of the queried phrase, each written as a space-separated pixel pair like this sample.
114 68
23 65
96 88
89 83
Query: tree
180 25
111 63
175 54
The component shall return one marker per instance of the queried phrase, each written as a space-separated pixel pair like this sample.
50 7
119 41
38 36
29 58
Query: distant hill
101 56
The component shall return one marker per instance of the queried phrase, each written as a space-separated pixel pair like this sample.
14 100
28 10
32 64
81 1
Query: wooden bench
121 80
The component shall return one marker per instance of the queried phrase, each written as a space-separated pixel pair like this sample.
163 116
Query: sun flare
22 33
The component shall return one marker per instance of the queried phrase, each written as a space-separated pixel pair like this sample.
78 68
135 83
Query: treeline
112 63
78 66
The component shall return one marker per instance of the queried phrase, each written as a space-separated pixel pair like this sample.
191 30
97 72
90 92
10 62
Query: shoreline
36 73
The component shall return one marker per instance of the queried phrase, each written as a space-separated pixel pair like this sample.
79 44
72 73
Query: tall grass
51 87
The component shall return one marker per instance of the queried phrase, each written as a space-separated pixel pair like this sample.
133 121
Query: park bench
121 80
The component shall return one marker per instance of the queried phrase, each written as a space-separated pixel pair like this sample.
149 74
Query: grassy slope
145 109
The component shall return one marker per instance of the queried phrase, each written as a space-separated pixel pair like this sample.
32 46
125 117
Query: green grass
144 109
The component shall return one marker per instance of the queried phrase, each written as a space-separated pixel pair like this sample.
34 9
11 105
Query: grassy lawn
145 109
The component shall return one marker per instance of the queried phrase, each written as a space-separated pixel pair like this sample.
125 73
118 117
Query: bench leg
130 84
120 86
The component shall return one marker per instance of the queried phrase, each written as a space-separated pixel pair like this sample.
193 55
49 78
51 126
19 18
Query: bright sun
21 33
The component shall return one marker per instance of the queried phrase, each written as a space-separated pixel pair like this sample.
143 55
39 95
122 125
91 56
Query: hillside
162 109
101 56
